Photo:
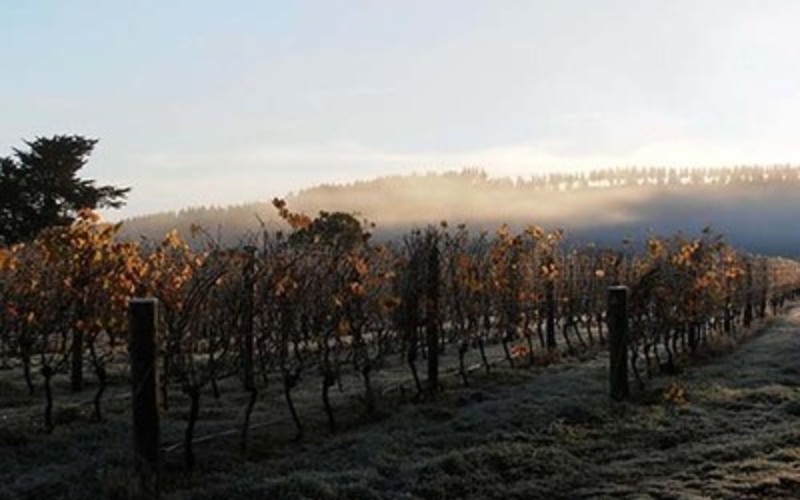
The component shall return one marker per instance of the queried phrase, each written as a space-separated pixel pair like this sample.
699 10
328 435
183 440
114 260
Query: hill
753 206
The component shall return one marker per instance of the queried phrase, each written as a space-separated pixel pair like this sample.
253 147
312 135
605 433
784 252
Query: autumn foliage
324 299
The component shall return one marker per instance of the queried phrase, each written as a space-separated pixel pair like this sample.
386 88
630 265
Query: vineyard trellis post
432 315
550 305
764 289
76 361
246 340
618 341
748 307
143 341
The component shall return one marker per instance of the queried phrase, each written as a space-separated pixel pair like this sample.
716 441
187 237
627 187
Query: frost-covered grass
541 433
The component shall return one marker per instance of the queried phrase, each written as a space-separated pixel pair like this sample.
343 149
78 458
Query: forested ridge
605 206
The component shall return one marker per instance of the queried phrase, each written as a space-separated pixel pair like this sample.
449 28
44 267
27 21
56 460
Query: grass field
726 429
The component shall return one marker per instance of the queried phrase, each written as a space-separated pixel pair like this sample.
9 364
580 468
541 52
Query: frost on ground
545 433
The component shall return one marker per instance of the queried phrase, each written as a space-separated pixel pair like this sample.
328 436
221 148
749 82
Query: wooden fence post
764 292
142 346
432 315
246 324
246 338
550 305
76 361
618 341
748 306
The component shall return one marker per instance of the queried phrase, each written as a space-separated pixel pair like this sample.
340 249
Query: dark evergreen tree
40 187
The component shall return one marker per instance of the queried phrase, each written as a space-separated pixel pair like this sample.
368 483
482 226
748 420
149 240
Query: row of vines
322 299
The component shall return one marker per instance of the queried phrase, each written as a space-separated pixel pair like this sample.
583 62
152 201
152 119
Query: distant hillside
756 207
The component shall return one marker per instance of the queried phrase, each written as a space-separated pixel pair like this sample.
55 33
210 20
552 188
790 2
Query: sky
201 102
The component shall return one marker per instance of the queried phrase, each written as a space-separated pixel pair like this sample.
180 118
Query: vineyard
322 306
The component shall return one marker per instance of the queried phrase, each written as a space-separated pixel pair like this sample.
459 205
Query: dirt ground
732 430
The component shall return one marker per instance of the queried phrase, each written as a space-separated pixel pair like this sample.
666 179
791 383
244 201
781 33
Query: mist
753 207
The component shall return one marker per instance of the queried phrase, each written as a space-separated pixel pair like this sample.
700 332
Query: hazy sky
199 102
